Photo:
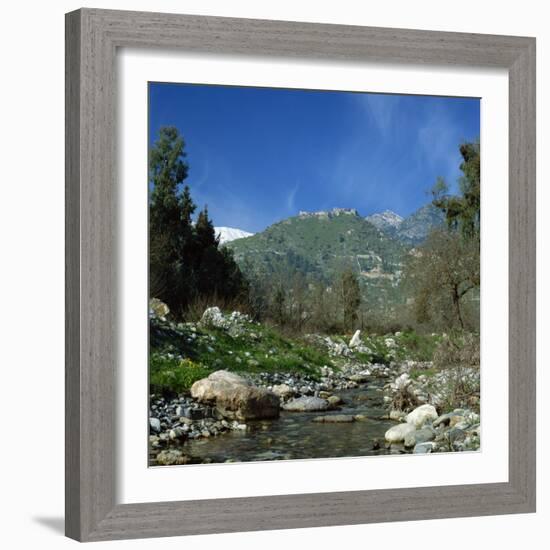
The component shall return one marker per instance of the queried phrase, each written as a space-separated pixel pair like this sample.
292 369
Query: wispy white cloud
227 208
380 109
438 143
291 198
202 178
198 176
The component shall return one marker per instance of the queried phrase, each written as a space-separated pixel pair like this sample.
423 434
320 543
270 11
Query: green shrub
420 347
169 374
380 353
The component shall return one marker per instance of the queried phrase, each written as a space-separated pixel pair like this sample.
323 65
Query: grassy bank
181 353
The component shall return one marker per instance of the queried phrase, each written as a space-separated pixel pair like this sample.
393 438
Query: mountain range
411 230
321 244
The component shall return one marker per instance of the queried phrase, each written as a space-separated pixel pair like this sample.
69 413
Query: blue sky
259 155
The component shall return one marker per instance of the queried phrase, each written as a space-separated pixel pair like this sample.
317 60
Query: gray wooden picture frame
92 39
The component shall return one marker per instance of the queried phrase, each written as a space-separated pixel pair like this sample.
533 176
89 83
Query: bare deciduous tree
441 273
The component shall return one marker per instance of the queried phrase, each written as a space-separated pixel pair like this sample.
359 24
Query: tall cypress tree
170 228
167 169
205 232
186 286
209 265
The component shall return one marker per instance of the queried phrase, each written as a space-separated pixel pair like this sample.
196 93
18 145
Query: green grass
180 356
257 349
169 374
419 347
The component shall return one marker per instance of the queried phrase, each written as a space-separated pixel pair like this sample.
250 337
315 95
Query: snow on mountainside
385 220
228 234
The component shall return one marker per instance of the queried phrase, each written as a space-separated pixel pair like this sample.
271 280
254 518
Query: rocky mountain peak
385 220
329 213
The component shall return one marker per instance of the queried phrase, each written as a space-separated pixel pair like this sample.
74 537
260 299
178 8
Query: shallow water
295 436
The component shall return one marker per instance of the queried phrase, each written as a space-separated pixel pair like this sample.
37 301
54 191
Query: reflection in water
295 436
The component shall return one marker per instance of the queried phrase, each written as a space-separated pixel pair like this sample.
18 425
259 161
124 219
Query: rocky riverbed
353 402
350 408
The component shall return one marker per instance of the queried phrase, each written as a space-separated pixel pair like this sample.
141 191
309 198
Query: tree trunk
456 302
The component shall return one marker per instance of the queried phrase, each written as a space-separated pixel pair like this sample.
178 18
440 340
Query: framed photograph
300 275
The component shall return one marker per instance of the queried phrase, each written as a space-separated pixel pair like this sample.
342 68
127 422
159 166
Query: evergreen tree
209 260
186 285
188 207
186 261
169 231
463 211
235 284
205 232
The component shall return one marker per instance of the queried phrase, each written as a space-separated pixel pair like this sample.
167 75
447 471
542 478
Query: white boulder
421 415
355 339
390 343
397 434
213 317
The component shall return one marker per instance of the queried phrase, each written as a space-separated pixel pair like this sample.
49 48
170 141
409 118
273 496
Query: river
296 436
